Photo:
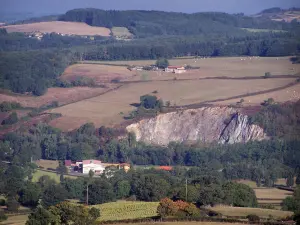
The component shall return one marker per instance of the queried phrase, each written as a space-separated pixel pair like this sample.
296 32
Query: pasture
52 164
243 212
61 95
54 176
15 220
226 66
123 210
67 28
181 223
106 109
121 32
99 73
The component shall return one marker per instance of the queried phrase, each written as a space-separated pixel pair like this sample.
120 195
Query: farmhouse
95 165
175 69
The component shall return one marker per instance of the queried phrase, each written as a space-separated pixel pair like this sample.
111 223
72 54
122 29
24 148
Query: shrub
2 202
8 106
267 75
166 208
2 216
11 119
252 218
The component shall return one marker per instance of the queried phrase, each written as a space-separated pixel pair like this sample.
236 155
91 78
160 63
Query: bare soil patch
69 28
61 95
99 73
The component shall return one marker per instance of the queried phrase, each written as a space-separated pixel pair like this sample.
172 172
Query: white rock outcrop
208 124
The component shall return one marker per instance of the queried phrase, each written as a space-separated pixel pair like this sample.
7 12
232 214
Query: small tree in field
267 75
162 63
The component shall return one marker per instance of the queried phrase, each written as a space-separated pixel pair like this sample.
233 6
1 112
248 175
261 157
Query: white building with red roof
95 165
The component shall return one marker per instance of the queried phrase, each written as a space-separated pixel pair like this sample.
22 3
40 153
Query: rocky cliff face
208 124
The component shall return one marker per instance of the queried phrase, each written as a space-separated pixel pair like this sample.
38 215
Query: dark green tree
30 194
101 191
122 189
162 63
53 194
41 216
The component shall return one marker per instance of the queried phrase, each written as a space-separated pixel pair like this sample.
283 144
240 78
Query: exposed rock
209 124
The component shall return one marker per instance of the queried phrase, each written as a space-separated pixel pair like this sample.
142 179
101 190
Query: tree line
148 23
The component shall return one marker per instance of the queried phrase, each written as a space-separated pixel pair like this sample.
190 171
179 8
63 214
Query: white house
95 165
175 69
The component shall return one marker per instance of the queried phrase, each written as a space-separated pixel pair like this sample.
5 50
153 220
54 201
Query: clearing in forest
68 28
121 32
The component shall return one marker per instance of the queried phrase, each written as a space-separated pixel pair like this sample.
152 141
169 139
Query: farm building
94 165
175 69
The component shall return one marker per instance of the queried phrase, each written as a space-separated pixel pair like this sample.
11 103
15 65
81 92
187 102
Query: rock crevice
208 124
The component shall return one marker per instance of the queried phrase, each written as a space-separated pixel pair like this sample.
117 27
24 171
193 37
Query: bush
2 216
162 63
267 75
8 106
11 119
252 218
2 202
12 204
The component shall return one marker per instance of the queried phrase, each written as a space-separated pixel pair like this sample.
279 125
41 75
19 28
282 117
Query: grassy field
122 210
122 32
250 183
61 95
227 66
262 30
238 211
70 28
99 73
288 94
52 175
16 220
53 164
272 193
105 109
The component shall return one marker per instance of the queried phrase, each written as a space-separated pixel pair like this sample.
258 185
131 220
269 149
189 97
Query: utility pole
87 194
186 190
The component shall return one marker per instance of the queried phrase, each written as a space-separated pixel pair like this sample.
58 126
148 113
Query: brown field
62 95
105 109
239 211
282 181
288 94
99 73
229 66
69 28
16 220
272 193
250 183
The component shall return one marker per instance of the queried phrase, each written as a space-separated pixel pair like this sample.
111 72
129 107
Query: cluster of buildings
96 166
169 69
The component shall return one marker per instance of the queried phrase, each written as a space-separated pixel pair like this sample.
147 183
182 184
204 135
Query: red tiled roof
68 162
89 161
167 168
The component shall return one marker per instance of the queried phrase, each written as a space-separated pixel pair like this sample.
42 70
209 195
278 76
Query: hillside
145 23
66 28
278 14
